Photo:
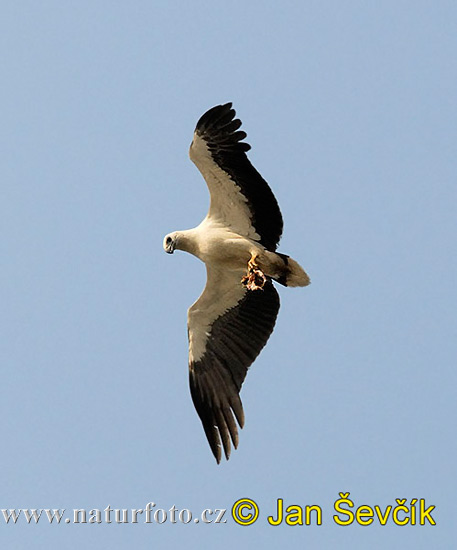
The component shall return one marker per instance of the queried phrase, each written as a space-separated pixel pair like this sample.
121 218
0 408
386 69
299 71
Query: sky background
351 111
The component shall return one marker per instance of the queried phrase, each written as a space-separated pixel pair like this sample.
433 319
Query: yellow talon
255 278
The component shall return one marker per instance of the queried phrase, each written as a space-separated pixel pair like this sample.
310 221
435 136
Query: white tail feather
296 275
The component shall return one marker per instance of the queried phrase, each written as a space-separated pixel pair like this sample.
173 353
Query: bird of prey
233 318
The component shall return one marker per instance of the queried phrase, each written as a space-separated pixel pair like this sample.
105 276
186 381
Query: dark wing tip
214 407
219 128
214 114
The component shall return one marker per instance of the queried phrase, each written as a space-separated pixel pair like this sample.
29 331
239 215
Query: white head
170 242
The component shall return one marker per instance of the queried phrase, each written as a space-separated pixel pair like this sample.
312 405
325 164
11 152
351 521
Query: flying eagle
233 318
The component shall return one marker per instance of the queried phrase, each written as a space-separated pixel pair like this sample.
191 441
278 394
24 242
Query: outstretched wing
240 198
228 326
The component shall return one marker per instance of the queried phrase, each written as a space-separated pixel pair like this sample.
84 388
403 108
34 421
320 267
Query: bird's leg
255 278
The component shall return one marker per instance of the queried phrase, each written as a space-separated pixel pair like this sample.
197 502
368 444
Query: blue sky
350 109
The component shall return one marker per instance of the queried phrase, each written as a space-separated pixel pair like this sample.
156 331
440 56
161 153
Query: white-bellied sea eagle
233 318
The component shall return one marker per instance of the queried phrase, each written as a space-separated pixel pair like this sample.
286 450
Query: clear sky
351 111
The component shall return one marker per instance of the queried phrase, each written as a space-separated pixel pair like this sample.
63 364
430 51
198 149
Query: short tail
292 273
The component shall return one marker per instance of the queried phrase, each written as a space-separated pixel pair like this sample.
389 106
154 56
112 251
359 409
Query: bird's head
169 242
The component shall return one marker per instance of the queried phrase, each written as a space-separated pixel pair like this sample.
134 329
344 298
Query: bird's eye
168 240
